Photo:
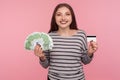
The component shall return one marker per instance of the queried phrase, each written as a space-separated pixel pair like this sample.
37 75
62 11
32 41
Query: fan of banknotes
40 38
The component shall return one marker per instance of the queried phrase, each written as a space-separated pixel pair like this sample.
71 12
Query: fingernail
91 41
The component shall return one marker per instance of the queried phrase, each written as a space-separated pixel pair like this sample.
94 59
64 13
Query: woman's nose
63 17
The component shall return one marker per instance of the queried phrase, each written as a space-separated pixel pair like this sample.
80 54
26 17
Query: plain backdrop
18 18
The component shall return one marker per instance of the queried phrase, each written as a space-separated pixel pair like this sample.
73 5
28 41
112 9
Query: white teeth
63 22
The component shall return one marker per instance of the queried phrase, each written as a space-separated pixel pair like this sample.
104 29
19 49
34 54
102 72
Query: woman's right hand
39 52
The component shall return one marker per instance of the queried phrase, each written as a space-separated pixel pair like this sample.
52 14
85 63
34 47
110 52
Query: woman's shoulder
81 31
52 33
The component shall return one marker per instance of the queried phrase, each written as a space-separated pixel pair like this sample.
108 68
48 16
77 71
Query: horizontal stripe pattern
65 57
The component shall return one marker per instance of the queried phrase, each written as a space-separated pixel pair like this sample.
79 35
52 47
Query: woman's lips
63 22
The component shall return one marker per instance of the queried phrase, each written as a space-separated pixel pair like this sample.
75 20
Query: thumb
40 50
91 43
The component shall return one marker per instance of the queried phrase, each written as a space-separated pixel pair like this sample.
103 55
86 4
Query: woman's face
63 17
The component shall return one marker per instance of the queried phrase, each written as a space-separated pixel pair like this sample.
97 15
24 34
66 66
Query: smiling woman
70 48
18 18
63 17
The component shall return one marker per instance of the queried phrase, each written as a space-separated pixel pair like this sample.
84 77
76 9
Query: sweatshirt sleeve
45 63
85 58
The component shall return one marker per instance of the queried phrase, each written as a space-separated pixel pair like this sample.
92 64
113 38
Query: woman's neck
66 32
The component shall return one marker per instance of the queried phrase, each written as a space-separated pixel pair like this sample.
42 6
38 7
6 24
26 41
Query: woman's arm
87 54
45 62
92 48
86 59
43 56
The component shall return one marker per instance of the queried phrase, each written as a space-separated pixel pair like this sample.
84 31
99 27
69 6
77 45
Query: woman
70 47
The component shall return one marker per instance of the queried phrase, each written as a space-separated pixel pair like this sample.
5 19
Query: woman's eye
68 14
58 14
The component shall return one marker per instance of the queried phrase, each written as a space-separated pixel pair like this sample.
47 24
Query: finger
40 50
91 41
92 47
94 44
95 49
36 48
38 44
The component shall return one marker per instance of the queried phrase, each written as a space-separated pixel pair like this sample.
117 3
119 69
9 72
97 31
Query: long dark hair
54 26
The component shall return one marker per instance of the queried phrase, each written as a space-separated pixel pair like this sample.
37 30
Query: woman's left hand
93 46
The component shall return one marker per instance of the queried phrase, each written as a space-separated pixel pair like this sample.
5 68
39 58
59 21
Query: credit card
90 38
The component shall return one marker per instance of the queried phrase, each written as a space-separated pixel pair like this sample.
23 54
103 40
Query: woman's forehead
63 9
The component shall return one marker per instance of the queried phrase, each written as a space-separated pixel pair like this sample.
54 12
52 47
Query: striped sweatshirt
67 57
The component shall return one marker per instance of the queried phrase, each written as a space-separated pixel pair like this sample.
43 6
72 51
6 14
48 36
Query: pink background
18 18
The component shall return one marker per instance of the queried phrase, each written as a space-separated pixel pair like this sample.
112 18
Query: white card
90 38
